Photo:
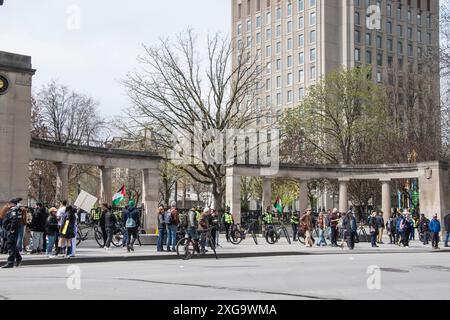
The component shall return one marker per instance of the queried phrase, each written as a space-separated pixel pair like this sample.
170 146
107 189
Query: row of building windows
289 24
290 79
389 41
400 5
289 7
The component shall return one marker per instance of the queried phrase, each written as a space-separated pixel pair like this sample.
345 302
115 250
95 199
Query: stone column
303 195
106 185
386 198
62 181
343 195
150 192
233 194
267 194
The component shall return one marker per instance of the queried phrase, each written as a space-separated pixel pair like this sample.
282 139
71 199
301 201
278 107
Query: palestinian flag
278 205
118 197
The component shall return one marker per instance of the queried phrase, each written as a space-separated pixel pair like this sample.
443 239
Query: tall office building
297 42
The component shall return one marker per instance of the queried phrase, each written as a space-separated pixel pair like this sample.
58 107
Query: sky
89 45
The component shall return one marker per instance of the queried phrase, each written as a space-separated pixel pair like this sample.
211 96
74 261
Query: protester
350 229
60 216
203 225
161 229
405 228
447 228
67 231
435 228
132 224
110 224
424 229
125 231
37 227
373 229
380 226
51 229
171 220
391 229
333 220
321 224
307 226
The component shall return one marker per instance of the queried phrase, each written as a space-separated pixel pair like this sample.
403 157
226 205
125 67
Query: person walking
307 225
321 225
227 222
51 229
60 216
11 224
295 221
132 224
110 224
350 229
203 225
405 228
415 224
3 233
333 220
380 226
125 231
447 228
171 219
435 228
161 230
424 229
373 229
67 230
103 227
398 223
38 222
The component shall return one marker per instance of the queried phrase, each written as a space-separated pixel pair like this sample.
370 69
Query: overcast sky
92 51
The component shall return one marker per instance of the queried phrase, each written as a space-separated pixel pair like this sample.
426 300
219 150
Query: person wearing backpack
171 219
132 223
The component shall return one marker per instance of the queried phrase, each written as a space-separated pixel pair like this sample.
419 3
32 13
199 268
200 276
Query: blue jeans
125 237
161 235
50 243
447 238
373 239
321 240
20 238
172 236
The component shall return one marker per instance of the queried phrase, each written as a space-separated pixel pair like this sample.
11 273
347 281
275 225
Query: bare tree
175 90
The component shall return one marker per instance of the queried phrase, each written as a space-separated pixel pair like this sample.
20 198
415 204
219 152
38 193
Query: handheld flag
278 205
119 196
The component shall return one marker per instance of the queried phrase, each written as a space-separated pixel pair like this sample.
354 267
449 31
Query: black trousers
434 239
104 235
227 230
405 237
131 232
294 231
13 251
351 239
109 233
334 235
213 236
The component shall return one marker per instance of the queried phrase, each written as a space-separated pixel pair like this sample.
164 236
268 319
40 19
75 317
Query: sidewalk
89 252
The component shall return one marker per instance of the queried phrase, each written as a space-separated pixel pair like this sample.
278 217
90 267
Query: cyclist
295 221
228 222
267 219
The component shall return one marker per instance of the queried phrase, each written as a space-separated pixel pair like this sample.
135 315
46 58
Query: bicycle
98 236
362 233
301 235
237 234
273 233
188 247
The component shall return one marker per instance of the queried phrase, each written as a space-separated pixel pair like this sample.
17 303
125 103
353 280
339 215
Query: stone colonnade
433 177
63 156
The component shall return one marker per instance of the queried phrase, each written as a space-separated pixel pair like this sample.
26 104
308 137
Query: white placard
85 201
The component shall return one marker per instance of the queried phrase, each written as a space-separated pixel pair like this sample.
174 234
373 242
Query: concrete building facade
297 42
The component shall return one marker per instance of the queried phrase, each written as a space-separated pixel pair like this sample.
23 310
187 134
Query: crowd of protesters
53 231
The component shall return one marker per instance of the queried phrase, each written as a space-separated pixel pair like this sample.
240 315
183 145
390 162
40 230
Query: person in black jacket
11 224
38 222
110 224
51 229
132 223
447 228
350 229
67 230
103 228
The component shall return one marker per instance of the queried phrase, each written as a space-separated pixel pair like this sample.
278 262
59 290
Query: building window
312 36
357 55
312 19
312 55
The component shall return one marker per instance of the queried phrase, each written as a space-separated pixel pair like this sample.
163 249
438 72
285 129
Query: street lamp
40 186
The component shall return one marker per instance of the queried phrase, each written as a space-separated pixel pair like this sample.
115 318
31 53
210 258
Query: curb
104 259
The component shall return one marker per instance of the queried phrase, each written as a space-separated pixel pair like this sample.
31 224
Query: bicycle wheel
98 238
255 238
271 237
185 248
79 237
286 234
117 239
236 237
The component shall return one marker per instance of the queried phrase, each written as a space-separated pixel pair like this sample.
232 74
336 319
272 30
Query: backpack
130 223
168 217
183 220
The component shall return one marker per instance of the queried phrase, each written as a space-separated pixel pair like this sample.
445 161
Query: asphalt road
334 276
